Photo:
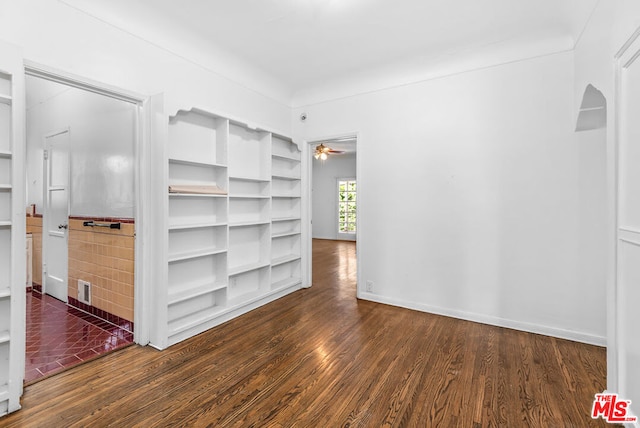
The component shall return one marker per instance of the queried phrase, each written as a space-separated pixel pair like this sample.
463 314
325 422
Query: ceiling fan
323 151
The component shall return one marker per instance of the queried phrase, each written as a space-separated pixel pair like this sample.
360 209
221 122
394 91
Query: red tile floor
60 337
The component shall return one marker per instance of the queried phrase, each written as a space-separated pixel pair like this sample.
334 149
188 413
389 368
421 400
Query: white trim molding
559 333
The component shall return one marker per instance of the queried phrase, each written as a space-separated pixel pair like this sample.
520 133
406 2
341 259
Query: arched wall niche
593 110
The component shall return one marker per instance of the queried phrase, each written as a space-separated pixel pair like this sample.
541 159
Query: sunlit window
346 206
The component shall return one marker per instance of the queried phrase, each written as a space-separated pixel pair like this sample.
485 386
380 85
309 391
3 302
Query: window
346 206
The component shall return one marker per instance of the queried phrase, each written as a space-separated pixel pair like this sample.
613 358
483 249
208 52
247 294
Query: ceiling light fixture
322 152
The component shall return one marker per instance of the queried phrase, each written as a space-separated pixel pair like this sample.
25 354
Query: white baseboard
490 320
333 238
330 238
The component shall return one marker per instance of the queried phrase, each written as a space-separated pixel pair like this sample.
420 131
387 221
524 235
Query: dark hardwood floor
321 358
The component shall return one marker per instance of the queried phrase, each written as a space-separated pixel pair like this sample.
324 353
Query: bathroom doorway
80 158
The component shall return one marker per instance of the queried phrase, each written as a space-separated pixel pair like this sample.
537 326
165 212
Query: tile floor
60 337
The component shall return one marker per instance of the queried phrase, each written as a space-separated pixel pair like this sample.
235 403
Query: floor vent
84 292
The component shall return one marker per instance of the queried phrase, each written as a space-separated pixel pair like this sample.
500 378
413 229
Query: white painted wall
62 37
102 138
476 198
325 197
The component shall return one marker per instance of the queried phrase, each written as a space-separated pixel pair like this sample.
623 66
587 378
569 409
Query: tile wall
105 258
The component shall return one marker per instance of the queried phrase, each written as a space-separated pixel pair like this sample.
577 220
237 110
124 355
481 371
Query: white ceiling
307 43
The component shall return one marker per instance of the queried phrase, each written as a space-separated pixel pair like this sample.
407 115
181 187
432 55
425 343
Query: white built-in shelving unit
6 234
249 213
197 224
285 214
228 253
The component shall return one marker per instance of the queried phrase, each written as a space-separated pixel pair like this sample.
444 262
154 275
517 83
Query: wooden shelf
196 195
195 254
5 153
275 220
4 293
285 196
283 148
248 197
193 320
194 290
4 336
286 283
194 226
249 223
5 223
196 163
285 177
247 268
284 234
285 259
4 99
258 180
5 187
285 157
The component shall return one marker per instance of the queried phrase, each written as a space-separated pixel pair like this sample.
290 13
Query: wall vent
84 292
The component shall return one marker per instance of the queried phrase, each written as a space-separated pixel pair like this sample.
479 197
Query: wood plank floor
321 358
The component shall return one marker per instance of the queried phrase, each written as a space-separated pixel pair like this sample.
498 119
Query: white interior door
628 228
56 214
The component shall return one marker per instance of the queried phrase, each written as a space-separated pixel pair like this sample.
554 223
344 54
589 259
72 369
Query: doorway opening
81 196
333 197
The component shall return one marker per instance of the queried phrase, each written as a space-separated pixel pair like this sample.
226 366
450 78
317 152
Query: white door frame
307 231
46 218
144 236
617 376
